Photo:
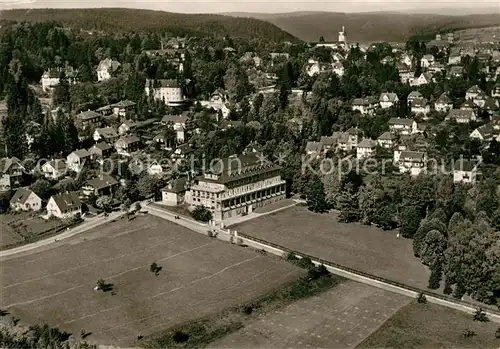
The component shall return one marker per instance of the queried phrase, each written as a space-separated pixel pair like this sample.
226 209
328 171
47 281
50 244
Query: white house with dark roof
314 148
25 200
54 169
413 95
124 109
101 185
443 104
366 148
166 90
11 172
422 79
465 171
173 194
76 160
461 116
412 162
473 92
483 133
403 126
126 127
107 134
127 144
388 99
426 61
405 72
176 121
386 140
106 68
420 106
480 99
365 106
491 105
64 205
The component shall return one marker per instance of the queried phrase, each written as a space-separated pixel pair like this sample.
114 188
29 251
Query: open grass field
342 317
432 326
199 276
365 248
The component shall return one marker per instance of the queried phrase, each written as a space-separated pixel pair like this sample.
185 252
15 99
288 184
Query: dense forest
126 20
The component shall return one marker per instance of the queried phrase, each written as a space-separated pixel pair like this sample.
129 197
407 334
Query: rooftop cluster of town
435 90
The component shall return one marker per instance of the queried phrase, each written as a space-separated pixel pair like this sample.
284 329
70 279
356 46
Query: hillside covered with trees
369 27
125 20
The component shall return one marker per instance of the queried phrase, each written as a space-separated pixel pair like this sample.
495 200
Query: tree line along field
198 276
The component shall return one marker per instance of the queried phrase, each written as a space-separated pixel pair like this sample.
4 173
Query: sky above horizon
264 6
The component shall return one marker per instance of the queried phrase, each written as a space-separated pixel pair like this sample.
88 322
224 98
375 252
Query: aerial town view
211 174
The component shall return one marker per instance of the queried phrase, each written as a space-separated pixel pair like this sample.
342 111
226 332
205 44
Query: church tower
342 35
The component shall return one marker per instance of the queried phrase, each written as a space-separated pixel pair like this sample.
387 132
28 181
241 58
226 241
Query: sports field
199 276
339 318
365 248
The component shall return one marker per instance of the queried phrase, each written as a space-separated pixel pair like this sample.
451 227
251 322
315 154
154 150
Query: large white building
237 185
166 90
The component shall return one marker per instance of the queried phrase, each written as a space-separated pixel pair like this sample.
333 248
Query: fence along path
360 276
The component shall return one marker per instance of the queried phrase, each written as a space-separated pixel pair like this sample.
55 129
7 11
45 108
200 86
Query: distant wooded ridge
121 19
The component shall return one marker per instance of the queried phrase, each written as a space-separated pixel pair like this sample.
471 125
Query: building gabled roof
328 141
392 97
6 163
107 132
58 164
486 130
101 182
414 95
474 89
386 136
412 155
176 119
419 103
465 165
89 114
108 64
102 146
129 139
459 113
490 104
21 196
367 143
81 153
400 121
468 104
67 201
444 99
123 104
314 147
176 186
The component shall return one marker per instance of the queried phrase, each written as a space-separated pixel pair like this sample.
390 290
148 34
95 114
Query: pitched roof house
107 134
25 200
461 116
106 68
366 148
473 91
76 160
64 205
444 103
388 99
386 140
102 185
